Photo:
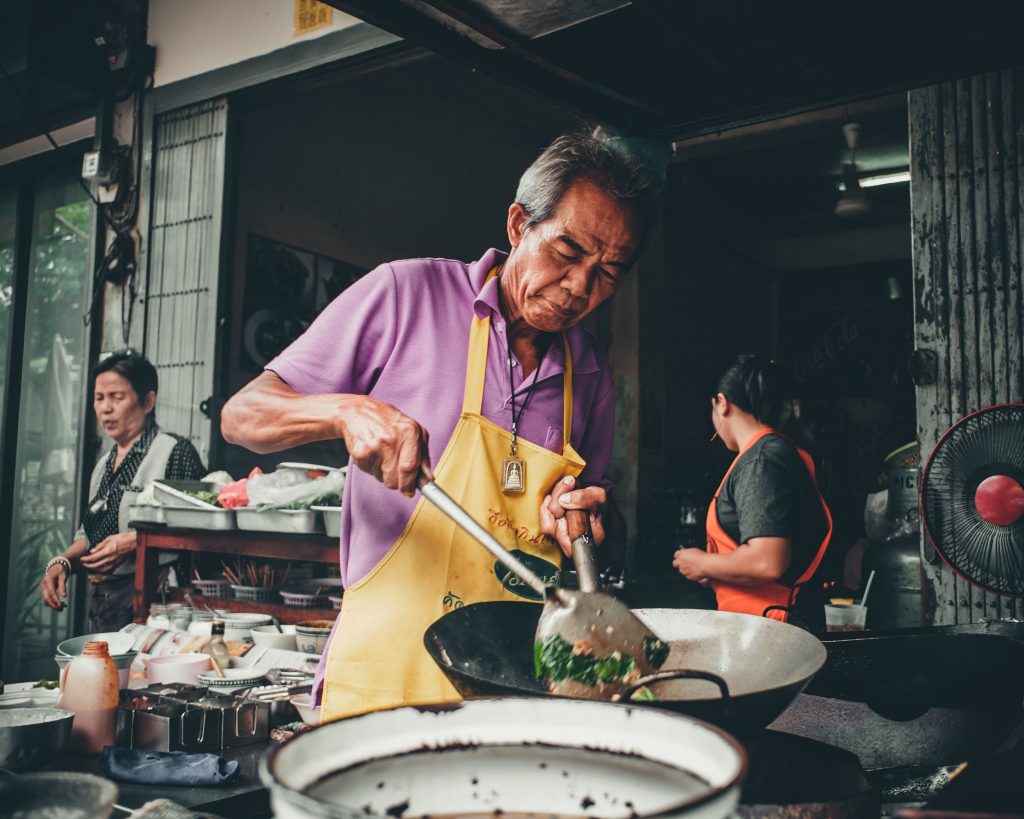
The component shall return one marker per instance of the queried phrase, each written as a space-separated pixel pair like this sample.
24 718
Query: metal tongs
589 621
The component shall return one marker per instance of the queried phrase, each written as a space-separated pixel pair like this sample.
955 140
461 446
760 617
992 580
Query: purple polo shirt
401 335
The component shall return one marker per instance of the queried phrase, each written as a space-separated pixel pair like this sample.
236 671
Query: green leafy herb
644 695
327 499
49 685
205 497
656 651
555 660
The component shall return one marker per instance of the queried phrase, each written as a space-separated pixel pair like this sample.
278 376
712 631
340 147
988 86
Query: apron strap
566 395
476 369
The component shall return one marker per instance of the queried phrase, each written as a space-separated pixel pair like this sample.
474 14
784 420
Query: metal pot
30 737
749 669
509 757
67 795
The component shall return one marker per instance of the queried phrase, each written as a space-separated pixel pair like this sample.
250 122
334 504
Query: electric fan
972 498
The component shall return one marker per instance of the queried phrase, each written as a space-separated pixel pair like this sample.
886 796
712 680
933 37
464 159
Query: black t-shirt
769 493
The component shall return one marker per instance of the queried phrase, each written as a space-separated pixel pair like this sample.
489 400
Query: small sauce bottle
218 648
91 690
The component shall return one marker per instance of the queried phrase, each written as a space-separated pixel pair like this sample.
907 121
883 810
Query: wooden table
154 538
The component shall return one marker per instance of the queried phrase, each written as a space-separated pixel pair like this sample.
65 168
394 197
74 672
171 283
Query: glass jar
158 616
201 624
180 618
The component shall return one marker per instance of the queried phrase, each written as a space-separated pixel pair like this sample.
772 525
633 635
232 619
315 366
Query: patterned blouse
112 491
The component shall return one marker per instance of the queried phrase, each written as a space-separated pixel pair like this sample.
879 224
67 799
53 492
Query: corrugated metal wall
184 260
967 173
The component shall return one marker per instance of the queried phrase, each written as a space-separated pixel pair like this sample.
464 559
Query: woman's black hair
135 369
752 384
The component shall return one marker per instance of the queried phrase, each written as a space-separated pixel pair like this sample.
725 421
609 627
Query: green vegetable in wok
556 660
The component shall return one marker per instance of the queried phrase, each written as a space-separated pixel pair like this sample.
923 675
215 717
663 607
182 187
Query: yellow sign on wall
311 15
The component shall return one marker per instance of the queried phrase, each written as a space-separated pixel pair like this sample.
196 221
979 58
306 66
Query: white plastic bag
285 487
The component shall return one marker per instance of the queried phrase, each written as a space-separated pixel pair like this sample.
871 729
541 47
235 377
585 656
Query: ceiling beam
513 43
535 74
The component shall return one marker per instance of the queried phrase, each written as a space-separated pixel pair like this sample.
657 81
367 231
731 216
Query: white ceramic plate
232 677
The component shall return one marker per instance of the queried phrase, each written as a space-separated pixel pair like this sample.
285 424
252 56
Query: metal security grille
967 165
184 258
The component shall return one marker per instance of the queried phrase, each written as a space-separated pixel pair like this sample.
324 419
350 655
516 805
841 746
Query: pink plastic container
91 690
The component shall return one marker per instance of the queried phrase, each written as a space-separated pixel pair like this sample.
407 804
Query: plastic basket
212 588
256 594
303 600
336 602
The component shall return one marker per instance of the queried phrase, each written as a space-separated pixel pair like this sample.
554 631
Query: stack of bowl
238 625
121 646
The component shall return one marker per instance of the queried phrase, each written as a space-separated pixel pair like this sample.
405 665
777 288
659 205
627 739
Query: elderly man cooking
479 374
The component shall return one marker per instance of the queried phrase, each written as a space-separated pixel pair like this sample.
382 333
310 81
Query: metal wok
748 669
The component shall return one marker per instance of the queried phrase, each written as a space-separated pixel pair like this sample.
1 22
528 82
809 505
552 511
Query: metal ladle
588 620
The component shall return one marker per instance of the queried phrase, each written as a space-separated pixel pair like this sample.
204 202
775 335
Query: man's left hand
690 563
563 497
110 551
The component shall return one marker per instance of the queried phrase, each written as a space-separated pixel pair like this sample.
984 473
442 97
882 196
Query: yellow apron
377 659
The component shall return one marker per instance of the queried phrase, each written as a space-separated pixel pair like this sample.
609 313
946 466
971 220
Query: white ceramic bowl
238 625
118 643
311 635
272 638
122 661
177 668
309 713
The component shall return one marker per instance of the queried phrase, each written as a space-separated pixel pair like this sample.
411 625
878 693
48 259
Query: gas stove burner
972 498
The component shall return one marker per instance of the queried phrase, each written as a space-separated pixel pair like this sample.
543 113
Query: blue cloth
166 767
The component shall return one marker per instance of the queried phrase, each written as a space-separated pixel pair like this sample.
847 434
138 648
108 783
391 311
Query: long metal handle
437 496
578 525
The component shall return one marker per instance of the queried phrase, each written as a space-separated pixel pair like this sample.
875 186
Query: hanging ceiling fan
853 204
972 498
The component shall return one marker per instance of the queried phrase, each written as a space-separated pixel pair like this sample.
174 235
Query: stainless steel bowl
30 737
67 795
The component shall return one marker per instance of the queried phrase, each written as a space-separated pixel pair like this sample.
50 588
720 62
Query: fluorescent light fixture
881 179
884 179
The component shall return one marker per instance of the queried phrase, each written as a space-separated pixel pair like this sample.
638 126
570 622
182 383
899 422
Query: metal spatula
592 645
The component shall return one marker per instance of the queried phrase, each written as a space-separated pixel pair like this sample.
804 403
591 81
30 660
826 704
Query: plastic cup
845 617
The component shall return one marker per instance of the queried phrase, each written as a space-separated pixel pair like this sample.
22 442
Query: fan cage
985 443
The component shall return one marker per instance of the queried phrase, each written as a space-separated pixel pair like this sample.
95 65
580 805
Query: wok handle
437 496
578 525
674 674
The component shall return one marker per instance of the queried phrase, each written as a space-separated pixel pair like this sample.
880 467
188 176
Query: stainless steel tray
146 514
188 517
288 521
332 519
175 493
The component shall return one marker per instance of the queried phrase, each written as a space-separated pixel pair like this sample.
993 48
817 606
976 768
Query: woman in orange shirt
768 526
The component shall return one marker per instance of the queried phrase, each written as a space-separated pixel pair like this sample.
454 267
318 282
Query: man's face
563 268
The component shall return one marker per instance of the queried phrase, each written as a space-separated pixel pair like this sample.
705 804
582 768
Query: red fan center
1000 500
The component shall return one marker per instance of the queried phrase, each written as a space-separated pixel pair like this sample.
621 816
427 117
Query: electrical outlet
91 165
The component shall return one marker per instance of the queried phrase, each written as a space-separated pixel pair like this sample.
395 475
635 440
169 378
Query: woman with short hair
768 526
124 400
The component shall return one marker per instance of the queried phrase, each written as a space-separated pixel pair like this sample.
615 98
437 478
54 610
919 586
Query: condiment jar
201 624
158 616
91 690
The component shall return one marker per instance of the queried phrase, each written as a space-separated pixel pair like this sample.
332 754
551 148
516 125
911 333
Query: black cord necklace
513 469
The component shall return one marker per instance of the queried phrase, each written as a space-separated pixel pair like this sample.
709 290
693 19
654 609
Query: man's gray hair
598 157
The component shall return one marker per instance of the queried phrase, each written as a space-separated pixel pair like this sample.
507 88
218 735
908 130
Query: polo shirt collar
486 304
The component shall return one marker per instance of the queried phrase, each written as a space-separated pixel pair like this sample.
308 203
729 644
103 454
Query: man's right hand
54 587
386 443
